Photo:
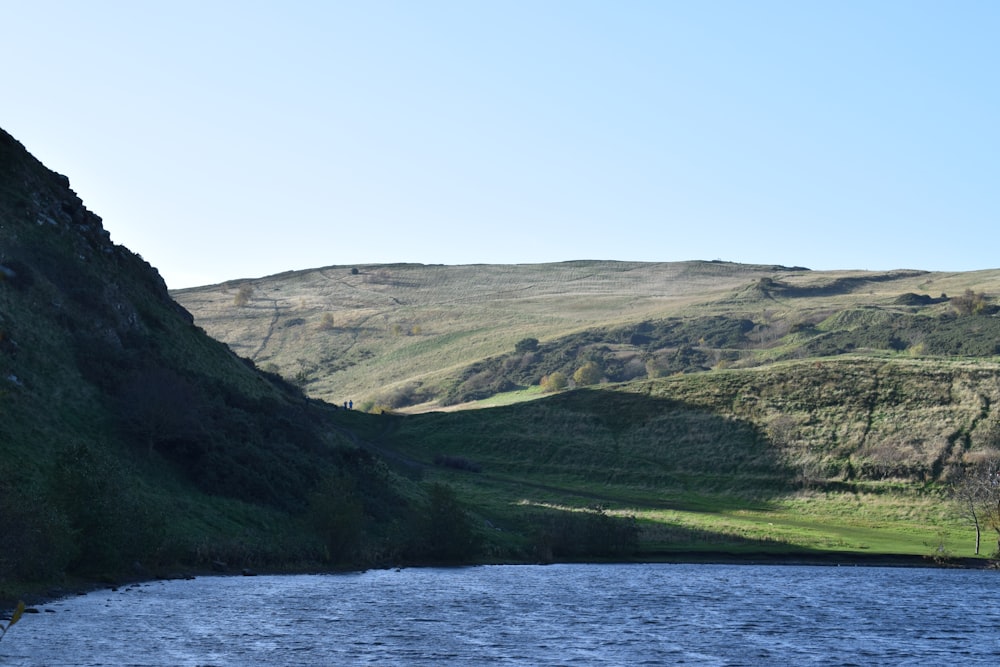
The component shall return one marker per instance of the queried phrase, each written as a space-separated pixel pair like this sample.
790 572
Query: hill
414 337
806 457
131 442
760 410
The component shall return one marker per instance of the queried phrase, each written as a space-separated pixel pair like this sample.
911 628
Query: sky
224 140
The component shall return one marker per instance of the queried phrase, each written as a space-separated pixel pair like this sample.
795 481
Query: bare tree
976 490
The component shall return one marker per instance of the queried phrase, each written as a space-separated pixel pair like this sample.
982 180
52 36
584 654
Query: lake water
655 614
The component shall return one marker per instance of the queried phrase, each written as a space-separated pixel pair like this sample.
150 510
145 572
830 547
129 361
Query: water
531 615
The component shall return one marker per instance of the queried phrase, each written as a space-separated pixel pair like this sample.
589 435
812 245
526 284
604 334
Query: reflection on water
531 615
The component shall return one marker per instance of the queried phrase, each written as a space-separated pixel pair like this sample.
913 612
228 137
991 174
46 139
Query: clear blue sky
238 139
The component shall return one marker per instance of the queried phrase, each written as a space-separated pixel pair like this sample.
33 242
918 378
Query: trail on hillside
270 330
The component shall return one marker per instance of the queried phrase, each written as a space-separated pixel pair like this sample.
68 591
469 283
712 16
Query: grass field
703 468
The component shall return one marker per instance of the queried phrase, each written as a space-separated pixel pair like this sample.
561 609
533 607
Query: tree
970 303
976 490
326 322
555 382
243 296
589 373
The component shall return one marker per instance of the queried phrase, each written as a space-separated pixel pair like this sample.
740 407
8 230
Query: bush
526 345
326 322
243 296
970 303
411 393
591 533
554 382
588 374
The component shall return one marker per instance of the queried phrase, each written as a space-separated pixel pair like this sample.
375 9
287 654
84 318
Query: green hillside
726 410
843 455
132 443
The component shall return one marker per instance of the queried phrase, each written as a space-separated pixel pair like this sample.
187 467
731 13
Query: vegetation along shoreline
395 415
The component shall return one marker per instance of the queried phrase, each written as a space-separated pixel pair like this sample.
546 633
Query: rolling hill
727 410
410 336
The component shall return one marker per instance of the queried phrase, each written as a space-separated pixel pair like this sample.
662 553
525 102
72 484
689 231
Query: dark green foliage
684 359
911 299
680 345
158 408
336 513
37 544
971 303
448 535
972 337
945 335
178 450
110 524
526 345
569 535
457 463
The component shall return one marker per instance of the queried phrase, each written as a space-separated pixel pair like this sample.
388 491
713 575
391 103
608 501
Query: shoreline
49 593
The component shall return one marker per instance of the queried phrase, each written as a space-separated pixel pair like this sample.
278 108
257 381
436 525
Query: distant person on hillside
350 405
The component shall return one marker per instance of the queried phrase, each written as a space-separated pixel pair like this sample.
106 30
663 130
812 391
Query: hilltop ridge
413 336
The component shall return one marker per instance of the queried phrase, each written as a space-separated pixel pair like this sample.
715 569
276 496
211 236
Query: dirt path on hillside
270 330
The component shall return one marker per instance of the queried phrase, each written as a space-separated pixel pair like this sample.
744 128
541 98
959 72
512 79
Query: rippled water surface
531 615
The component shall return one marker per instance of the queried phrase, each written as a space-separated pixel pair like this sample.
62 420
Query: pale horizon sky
224 140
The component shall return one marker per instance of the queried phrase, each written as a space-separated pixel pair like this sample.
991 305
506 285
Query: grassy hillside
130 440
750 410
843 455
398 336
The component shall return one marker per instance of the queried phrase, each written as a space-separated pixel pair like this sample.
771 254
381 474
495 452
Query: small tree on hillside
554 382
326 322
975 490
970 303
243 296
589 373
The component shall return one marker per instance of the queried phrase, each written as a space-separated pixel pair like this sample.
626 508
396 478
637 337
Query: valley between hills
586 410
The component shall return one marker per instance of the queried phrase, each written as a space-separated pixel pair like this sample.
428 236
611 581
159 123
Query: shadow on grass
620 446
